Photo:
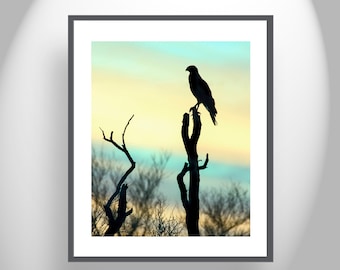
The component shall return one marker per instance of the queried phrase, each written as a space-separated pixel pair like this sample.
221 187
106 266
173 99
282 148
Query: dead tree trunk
115 223
191 203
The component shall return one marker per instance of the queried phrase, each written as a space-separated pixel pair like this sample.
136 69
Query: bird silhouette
201 91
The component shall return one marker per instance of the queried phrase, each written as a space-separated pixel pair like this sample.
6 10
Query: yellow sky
149 80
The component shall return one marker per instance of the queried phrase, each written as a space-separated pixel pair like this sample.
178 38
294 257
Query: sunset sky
148 79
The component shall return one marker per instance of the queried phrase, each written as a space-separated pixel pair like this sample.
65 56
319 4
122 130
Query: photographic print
170 131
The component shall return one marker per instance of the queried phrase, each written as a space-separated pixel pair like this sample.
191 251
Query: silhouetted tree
106 173
143 196
115 221
191 202
226 211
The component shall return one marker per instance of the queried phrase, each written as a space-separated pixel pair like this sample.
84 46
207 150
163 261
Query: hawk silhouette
201 91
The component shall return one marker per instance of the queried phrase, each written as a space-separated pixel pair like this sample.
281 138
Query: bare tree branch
116 223
182 186
126 152
185 132
123 135
196 131
204 166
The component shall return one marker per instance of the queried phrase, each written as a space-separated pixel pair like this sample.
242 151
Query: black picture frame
268 19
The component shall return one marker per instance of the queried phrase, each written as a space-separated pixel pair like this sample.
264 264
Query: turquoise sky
127 54
148 79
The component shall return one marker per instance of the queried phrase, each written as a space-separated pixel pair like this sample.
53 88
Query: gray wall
319 247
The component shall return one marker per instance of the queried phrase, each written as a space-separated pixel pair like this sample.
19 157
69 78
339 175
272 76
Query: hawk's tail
213 116
210 106
212 111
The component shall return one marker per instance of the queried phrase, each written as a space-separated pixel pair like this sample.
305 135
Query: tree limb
197 126
204 166
116 223
126 152
182 186
185 132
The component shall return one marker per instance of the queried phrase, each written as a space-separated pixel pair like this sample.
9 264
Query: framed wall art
170 138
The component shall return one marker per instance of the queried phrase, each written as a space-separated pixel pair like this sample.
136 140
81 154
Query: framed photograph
170 138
